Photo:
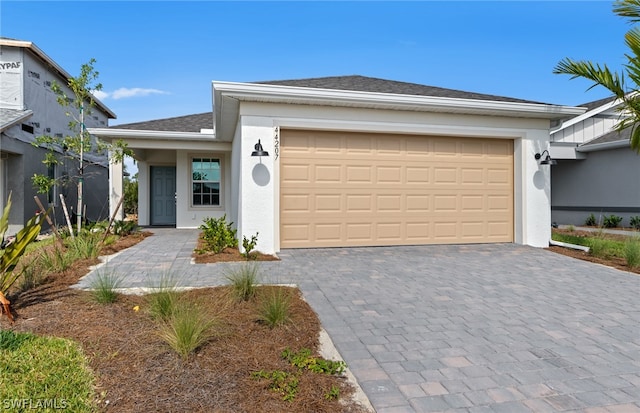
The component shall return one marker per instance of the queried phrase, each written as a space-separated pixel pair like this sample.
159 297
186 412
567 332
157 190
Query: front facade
352 161
28 109
596 171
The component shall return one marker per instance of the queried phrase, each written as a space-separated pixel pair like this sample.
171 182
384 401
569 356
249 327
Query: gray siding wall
605 183
24 160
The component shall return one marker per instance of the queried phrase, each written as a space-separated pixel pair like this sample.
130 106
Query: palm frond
628 8
599 75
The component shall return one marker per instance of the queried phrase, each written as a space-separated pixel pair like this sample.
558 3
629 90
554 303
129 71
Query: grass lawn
619 251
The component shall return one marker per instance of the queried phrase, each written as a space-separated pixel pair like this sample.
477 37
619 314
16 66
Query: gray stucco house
28 109
596 171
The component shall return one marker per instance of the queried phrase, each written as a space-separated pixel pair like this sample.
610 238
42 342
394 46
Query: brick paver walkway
459 328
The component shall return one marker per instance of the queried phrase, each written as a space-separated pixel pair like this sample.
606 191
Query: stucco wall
259 192
604 183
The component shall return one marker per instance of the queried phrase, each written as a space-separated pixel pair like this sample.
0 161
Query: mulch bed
137 372
200 255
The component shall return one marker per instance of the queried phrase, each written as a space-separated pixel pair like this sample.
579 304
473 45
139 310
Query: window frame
207 157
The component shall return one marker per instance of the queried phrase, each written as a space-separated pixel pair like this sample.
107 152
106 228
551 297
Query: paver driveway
474 328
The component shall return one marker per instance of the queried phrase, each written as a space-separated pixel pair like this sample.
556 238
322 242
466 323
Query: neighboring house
28 109
352 161
596 169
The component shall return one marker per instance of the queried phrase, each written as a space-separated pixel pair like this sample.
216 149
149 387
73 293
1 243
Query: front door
163 195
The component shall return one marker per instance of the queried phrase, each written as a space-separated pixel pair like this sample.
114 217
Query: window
205 181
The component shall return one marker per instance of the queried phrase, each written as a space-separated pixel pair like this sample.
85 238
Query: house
349 161
28 109
595 170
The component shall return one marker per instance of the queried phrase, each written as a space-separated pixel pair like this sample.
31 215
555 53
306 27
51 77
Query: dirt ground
137 372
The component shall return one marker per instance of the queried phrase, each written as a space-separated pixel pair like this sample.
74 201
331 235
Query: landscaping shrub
162 302
243 281
124 228
632 253
635 222
86 245
611 221
189 327
274 310
248 245
591 221
103 287
218 234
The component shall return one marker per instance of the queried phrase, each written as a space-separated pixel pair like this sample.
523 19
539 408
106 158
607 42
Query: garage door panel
351 189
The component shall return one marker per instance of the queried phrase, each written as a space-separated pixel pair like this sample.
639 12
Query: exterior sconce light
259 150
547 159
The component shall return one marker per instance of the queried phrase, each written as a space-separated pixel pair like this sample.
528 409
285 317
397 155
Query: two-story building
28 109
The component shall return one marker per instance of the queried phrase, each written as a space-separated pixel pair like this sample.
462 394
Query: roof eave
624 143
292 94
109 134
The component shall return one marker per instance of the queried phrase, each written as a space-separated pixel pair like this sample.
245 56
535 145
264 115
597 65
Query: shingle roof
371 84
597 103
9 117
193 123
613 136
188 123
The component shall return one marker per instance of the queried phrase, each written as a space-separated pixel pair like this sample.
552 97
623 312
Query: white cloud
125 92
100 94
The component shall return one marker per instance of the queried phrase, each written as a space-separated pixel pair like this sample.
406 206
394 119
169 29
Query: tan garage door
358 189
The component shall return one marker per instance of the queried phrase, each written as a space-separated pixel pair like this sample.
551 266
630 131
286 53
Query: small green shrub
571 228
591 221
304 360
103 287
635 222
124 228
248 245
243 281
218 234
189 328
56 260
163 301
632 253
611 221
85 245
333 393
602 248
32 276
280 381
274 310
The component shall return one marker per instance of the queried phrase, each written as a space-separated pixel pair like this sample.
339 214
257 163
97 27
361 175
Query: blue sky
157 58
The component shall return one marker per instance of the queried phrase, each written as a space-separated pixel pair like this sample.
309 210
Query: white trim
110 133
587 115
291 94
604 146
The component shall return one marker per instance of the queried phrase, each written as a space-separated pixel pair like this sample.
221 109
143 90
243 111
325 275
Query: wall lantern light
547 159
259 150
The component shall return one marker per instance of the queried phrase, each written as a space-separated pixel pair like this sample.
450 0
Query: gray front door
163 195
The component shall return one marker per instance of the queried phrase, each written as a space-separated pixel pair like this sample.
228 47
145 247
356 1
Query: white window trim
220 159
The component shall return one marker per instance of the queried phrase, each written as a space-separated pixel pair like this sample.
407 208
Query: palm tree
601 75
